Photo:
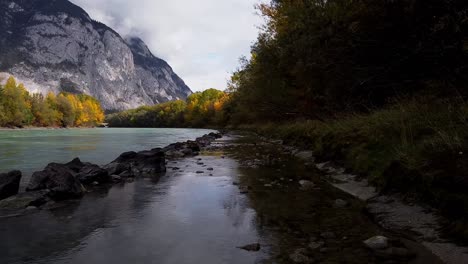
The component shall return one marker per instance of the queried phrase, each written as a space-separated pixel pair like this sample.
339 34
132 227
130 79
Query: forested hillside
201 109
18 108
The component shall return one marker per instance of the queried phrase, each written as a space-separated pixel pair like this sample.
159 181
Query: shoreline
59 183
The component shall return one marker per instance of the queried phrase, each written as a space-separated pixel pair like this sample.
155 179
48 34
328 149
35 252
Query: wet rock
305 155
299 256
306 185
91 173
316 245
143 163
377 243
251 247
200 172
23 200
210 169
339 203
116 178
9 184
175 168
31 208
394 253
59 179
328 235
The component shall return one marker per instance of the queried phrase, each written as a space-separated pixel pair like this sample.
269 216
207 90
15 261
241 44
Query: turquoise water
32 150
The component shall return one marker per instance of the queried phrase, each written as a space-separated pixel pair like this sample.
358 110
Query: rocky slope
53 45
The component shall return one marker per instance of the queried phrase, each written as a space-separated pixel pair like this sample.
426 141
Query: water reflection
184 218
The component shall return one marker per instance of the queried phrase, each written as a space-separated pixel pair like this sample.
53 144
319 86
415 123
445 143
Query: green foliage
18 108
200 110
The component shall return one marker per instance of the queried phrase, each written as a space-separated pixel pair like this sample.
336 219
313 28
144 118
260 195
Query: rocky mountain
53 45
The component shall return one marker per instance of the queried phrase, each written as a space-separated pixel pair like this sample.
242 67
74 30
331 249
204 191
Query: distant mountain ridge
54 45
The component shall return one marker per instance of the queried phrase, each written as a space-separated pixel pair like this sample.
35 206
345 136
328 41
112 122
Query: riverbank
415 148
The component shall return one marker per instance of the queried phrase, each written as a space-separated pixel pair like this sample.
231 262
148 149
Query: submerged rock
9 184
251 247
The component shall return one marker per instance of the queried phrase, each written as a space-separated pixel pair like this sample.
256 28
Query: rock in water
54 46
59 179
251 247
93 173
377 242
23 200
143 163
9 184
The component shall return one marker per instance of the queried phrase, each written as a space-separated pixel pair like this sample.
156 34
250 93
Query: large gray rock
377 243
55 46
9 184
59 180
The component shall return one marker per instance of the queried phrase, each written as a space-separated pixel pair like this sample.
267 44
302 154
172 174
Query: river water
31 150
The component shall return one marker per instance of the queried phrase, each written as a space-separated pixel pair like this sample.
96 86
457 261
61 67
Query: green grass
417 147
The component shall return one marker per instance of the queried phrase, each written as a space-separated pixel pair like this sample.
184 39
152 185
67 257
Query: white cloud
202 40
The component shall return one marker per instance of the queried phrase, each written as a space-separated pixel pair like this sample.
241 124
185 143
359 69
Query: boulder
9 184
93 173
143 163
57 178
24 200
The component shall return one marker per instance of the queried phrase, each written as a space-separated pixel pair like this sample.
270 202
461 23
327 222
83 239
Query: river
201 211
31 150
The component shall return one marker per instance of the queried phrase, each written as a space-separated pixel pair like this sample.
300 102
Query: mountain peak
53 45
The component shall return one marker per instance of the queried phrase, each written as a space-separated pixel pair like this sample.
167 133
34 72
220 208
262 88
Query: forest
379 87
19 108
201 109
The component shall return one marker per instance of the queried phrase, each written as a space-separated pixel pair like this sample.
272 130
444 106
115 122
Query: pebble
328 235
377 242
339 203
299 256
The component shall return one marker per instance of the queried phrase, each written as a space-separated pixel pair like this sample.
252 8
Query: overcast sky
201 39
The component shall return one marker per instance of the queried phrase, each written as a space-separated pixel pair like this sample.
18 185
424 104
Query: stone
316 245
299 256
143 163
306 185
377 242
116 178
251 247
200 172
210 169
91 173
59 179
9 184
339 203
328 235
23 200
305 155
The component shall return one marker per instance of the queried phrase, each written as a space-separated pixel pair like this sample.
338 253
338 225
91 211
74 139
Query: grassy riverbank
419 148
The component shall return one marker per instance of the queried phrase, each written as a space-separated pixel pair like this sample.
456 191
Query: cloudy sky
201 39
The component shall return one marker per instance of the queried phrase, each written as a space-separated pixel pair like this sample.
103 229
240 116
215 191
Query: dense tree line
201 109
19 108
316 58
